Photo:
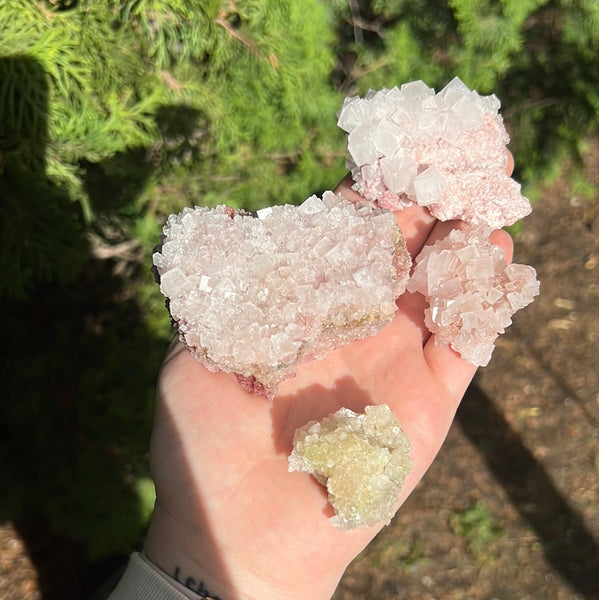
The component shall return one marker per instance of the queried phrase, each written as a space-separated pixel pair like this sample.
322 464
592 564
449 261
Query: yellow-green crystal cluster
361 458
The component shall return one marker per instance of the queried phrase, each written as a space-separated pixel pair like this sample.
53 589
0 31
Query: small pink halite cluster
471 290
445 151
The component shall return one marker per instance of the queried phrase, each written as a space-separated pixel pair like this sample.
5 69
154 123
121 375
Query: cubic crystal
471 291
398 138
256 296
362 459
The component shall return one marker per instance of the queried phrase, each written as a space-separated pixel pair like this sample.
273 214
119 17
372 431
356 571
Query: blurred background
115 114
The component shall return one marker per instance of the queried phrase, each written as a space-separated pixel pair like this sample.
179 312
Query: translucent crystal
256 296
396 138
471 290
428 187
362 459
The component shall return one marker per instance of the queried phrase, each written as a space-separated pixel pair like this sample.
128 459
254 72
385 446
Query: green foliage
556 83
105 78
235 101
491 37
538 56
478 40
477 526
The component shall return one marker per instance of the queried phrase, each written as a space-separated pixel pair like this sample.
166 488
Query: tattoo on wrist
194 585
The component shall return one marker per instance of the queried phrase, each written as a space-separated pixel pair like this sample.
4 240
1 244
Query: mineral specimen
361 458
446 151
258 295
471 290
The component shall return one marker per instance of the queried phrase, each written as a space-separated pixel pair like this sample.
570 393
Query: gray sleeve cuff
143 581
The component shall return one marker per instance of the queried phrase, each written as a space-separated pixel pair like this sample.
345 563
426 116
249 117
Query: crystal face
446 151
258 295
471 290
362 459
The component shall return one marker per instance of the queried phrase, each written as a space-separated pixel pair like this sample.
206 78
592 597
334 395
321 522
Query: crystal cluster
257 295
446 151
362 459
471 290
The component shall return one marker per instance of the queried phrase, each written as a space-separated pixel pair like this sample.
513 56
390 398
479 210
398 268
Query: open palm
229 515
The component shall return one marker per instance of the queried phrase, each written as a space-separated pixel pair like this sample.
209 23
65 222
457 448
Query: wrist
193 592
188 564
198 561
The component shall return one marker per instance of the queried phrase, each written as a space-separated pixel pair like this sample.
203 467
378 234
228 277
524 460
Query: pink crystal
446 151
258 295
471 290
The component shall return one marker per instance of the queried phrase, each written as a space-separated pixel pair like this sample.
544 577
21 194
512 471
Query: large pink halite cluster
257 295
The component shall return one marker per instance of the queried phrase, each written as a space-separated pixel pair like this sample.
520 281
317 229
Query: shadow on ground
567 543
75 427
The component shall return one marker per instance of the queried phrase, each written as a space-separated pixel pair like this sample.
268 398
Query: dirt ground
510 508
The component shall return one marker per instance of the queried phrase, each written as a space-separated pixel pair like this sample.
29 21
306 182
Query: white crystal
351 114
174 283
455 86
204 285
361 146
471 291
394 135
398 172
469 111
387 137
428 187
258 296
416 89
312 205
362 459
264 213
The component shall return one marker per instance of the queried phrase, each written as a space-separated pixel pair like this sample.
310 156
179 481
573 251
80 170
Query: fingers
415 222
504 240
510 163
344 188
498 237
449 368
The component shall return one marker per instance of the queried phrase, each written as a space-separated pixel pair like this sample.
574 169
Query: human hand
229 517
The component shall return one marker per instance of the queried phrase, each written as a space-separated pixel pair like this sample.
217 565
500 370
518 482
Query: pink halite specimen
471 290
258 295
446 151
